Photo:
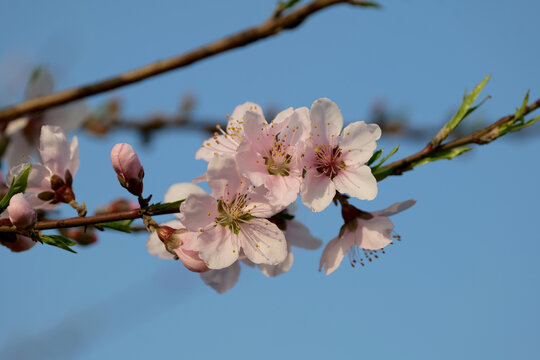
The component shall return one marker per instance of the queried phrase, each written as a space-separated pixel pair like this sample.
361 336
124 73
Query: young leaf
166 206
58 241
18 185
394 150
447 154
377 154
464 110
121 225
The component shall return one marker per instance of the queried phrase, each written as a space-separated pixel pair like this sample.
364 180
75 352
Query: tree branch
272 26
480 137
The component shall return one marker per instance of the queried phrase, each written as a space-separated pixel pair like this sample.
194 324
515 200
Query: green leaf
394 150
18 185
377 154
284 5
58 241
464 110
446 154
466 104
120 225
166 206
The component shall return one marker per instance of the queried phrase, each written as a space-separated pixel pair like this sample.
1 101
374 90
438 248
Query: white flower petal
317 191
395 208
327 121
55 149
16 125
357 181
74 156
218 247
334 252
360 136
181 191
251 164
235 124
263 242
376 233
217 145
275 270
224 178
223 279
198 211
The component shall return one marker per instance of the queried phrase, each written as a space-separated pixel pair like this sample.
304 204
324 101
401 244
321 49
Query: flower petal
19 150
275 270
326 120
317 191
263 242
217 145
251 164
395 208
224 178
376 233
181 191
297 234
235 124
357 181
334 252
223 279
218 247
198 211
360 136
55 149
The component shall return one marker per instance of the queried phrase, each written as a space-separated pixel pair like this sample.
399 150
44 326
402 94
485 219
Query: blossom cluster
256 170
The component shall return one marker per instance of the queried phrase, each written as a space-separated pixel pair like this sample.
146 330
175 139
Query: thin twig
269 28
480 137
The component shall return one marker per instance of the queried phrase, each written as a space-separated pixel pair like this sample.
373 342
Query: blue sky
463 283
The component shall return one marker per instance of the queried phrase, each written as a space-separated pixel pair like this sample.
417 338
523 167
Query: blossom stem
270 27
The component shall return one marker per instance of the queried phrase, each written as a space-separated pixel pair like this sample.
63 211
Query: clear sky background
463 283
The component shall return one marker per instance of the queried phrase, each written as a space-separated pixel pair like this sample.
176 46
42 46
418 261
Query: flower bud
128 168
177 241
21 214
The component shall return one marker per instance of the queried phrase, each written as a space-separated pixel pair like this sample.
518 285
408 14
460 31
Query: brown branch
269 28
162 209
480 137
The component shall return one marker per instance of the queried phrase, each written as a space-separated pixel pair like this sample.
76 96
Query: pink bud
128 168
178 242
21 214
16 243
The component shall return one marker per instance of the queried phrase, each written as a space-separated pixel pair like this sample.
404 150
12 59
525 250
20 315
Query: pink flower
25 132
172 240
21 214
127 166
16 243
232 219
369 231
50 182
270 153
228 142
335 159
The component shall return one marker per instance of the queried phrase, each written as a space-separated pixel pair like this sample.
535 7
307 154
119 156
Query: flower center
329 161
277 162
233 214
